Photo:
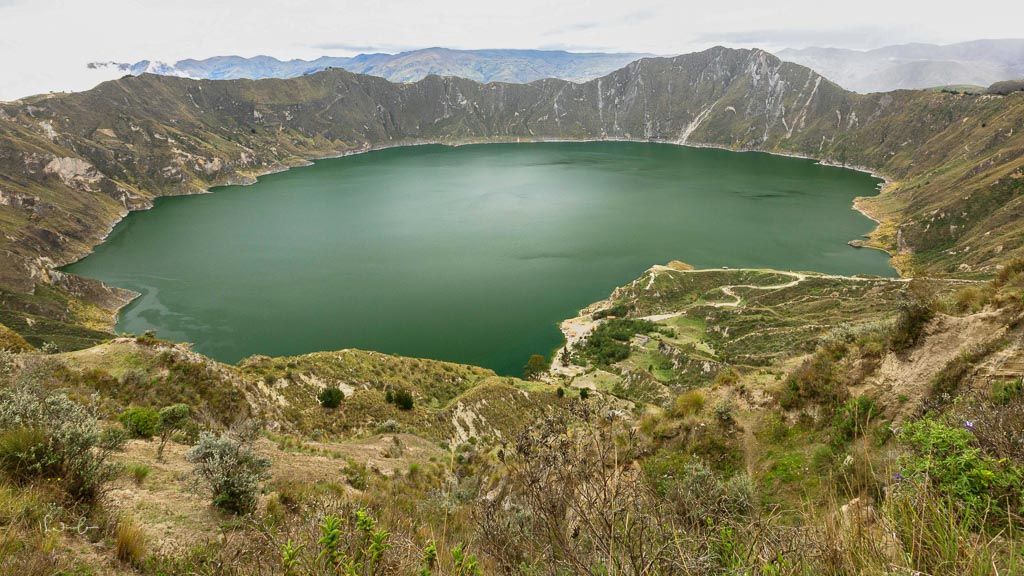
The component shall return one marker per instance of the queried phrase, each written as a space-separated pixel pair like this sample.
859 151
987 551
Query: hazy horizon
47 43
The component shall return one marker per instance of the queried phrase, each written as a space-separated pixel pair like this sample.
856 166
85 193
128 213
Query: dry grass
130 542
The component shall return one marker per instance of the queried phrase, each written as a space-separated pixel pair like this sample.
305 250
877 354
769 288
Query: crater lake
471 254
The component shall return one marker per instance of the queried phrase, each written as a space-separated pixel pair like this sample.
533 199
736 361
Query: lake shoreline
245 180
705 170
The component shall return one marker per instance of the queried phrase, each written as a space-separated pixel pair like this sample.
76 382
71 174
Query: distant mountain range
520 66
914 66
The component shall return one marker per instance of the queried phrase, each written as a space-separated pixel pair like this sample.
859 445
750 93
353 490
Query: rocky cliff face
71 165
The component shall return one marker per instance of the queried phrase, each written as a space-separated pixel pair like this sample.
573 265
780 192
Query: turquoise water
472 254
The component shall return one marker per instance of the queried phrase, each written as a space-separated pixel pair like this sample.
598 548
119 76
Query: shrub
230 469
970 299
997 428
853 418
536 366
584 393
23 454
609 342
727 377
130 542
172 419
356 474
560 392
725 412
815 381
620 310
349 544
697 493
140 422
688 403
403 399
113 438
7 366
47 435
330 397
946 382
914 315
946 457
1004 391
389 426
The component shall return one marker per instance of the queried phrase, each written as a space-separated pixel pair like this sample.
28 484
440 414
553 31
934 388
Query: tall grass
130 542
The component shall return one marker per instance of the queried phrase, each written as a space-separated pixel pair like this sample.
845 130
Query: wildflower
969 424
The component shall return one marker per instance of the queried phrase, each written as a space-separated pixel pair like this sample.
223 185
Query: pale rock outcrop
74 172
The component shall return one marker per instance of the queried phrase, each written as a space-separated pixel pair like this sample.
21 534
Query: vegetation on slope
727 421
871 443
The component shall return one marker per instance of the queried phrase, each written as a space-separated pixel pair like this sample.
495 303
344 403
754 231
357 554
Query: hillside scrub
947 458
46 436
173 418
330 397
229 468
609 342
141 422
716 476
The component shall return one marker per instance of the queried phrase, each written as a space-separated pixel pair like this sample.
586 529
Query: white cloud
45 44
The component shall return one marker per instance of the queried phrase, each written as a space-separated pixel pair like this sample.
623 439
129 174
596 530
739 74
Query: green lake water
472 254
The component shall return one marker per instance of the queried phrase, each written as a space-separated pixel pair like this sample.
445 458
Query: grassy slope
760 324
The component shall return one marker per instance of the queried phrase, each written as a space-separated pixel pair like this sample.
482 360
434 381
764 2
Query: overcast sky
45 44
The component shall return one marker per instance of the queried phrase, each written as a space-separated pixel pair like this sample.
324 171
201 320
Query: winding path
578 328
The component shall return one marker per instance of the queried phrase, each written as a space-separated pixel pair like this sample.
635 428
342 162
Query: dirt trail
576 329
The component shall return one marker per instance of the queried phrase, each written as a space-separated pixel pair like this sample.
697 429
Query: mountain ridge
485 65
915 66
75 164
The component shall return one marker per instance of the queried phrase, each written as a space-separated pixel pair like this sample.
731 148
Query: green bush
1004 391
138 472
140 422
697 493
356 474
619 310
609 342
330 397
946 382
947 458
688 403
853 419
23 454
815 381
403 399
172 419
